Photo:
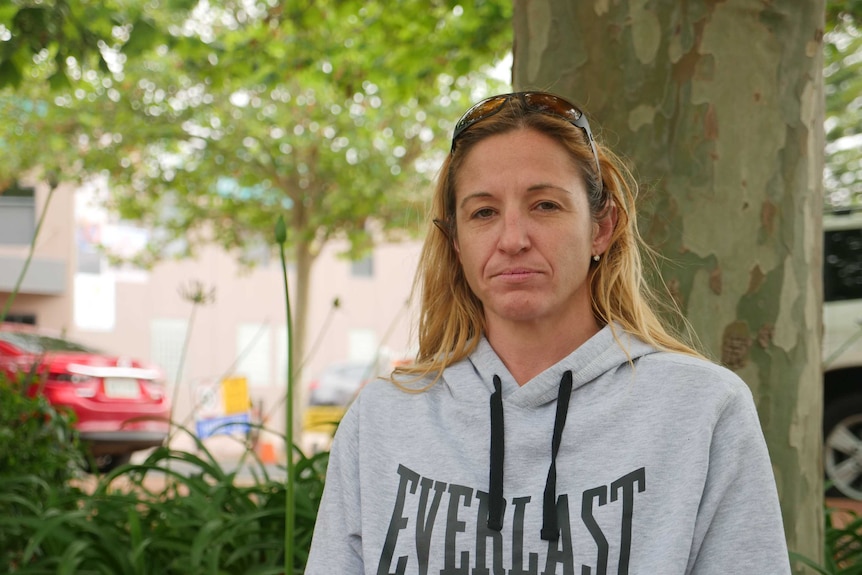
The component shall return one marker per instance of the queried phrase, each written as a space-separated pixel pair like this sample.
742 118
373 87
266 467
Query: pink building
69 287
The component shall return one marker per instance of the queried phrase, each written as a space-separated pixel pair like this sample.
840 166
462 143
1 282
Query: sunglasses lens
545 103
554 105
479 112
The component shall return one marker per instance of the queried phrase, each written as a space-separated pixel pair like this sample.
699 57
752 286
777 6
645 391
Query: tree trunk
719 105
300 304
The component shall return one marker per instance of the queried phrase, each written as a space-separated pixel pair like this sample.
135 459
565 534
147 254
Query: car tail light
156 389
85 386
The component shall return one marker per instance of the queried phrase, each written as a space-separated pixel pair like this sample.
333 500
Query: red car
121 404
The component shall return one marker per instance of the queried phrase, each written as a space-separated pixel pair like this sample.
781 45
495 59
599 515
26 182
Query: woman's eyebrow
533 188
545 186
474 196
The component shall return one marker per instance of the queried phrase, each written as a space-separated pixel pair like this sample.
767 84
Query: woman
550 423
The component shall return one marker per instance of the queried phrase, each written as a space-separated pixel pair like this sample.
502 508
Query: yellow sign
323 418
234 394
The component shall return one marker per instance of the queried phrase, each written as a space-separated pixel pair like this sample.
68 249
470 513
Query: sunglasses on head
541 102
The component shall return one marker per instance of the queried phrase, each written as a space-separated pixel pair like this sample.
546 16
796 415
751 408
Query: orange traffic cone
266 452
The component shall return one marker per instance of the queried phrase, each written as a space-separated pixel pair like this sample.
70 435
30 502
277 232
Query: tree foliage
843 90
221 46
209 117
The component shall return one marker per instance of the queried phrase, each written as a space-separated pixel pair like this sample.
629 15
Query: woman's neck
528 350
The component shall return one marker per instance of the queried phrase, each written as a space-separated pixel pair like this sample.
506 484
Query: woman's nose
514 233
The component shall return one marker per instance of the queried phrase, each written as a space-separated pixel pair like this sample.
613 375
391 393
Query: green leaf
58 81
142 37
10 75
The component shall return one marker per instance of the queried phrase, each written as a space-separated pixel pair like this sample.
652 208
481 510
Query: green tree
210 122
843 90
720 106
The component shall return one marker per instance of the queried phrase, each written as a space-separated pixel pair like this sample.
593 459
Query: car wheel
842 450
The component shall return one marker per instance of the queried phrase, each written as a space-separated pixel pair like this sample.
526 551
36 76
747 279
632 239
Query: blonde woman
551 422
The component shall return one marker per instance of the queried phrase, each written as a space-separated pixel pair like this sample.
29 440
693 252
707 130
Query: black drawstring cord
550 525
496 503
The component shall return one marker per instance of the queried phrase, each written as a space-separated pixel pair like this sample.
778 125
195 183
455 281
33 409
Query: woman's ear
603 230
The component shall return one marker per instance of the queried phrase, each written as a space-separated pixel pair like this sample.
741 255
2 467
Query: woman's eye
483 213
547 206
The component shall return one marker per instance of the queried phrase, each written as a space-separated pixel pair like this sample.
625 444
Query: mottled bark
719 106
304 256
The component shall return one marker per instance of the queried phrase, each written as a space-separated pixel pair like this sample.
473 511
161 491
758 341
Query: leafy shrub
39 455
175 513
842 544
35 438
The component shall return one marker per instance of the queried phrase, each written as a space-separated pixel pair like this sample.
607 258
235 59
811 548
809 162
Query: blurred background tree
843 90
209 119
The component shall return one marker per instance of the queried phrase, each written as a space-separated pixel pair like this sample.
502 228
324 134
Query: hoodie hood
600 354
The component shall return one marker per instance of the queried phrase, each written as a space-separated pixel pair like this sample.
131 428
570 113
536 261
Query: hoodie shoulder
397 388
690 367
689 378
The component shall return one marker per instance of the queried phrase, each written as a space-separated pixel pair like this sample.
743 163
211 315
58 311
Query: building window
94 303
254 353
363 268
167 338
17 215
25 318
362 344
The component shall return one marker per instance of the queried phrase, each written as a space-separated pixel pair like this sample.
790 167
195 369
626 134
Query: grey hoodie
660 468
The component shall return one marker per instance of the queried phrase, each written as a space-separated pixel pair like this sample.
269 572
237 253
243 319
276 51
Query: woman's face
525 236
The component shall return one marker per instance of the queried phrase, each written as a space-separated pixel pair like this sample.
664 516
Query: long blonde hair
451 317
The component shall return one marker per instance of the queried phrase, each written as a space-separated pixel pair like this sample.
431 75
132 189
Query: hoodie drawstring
550 526
496 503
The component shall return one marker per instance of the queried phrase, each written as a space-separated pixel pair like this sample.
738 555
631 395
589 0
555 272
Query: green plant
842 544
39 453
53 452
198 295
174 513
290 502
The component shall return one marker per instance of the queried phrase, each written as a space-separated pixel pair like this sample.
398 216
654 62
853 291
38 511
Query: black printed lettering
453 527
425 523
626 485
519 504
483 534
561 552
468 547
590 495
397 523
